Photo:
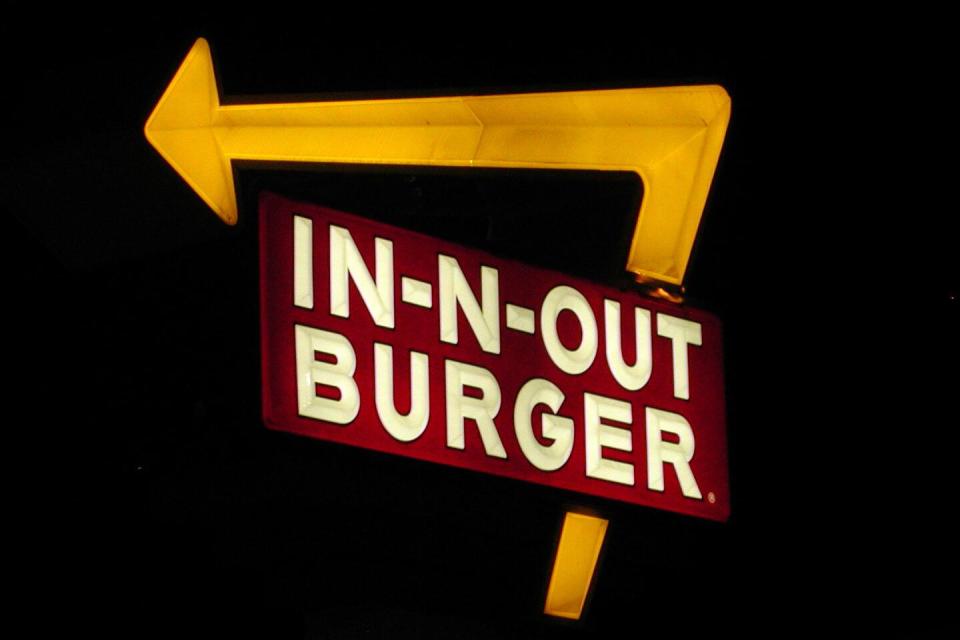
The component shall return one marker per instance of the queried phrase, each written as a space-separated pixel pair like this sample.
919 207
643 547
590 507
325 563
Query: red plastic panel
611 430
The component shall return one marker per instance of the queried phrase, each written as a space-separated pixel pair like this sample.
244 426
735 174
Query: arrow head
181 128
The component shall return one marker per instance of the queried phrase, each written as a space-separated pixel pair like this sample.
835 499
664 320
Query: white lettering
303 262
678 454
553 427
599 435
404 428
559 299
636 376
682 333
455 291
483 409
346 263
339 374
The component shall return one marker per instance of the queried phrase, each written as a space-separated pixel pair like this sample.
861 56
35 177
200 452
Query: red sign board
386 339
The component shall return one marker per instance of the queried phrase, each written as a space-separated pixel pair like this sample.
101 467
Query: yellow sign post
581 539
670 136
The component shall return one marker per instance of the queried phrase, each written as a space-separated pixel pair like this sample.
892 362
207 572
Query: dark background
144 496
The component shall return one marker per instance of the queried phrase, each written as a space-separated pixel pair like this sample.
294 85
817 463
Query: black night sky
144 496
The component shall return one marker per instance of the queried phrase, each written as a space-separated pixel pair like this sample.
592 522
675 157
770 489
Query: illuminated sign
386 339
670 136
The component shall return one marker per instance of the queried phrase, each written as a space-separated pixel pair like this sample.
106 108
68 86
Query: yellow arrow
670 136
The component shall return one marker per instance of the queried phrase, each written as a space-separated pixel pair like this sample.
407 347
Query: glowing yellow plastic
670 136
577 553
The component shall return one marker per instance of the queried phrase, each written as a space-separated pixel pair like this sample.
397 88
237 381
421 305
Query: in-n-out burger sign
386 339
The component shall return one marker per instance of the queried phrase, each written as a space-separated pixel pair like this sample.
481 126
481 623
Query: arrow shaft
497 131
371 144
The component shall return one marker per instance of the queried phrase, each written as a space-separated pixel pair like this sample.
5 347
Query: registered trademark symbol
711 498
